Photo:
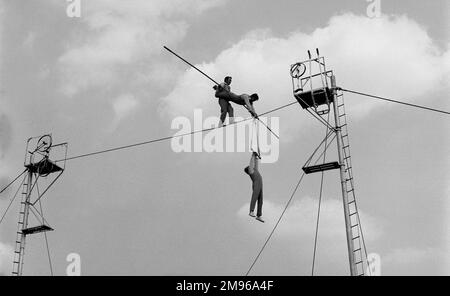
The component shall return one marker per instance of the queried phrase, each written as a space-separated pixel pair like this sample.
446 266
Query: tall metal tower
315 89
38 167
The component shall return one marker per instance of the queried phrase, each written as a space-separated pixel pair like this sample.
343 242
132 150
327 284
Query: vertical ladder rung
354 225
359 262
359 249
351 201
356 237
353 215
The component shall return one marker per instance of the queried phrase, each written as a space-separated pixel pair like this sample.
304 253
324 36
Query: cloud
415 261
300 220
390 56
124 105
296 235
120 33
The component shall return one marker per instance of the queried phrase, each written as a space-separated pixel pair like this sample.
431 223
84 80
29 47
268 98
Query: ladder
358 246
19 250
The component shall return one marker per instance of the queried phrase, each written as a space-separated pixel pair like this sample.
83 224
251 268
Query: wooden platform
320 97
321 167
36 229
44 167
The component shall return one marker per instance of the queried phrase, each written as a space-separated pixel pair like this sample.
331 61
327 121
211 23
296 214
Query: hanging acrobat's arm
253 164
256 156
249 106
254 143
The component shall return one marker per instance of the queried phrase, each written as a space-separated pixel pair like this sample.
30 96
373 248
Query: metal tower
315 89
38 167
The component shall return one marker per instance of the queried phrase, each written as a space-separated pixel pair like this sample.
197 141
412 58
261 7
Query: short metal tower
315 89
38 166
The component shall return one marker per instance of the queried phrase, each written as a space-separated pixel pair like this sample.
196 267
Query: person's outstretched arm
253 164
249 106
256 159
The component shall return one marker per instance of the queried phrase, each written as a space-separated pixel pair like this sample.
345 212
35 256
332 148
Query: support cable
46 240
276 225
12 200
279 219
319 207
318 147
167 138
394 101
40 213
12 182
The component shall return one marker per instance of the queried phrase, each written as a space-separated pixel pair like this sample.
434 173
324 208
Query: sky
104 80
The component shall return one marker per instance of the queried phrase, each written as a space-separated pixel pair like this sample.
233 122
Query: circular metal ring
297 70
44 143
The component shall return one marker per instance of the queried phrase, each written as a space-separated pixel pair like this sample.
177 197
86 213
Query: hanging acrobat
253 171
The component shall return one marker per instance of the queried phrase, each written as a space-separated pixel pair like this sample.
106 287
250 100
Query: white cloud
123 32
415 261
124 105
300 220
390 56
296 234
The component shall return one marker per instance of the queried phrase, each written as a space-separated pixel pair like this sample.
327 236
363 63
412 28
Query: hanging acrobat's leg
260 205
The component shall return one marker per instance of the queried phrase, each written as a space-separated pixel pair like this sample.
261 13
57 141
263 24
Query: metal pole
178 56
348 229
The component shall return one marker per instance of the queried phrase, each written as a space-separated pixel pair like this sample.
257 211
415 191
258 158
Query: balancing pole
181 58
